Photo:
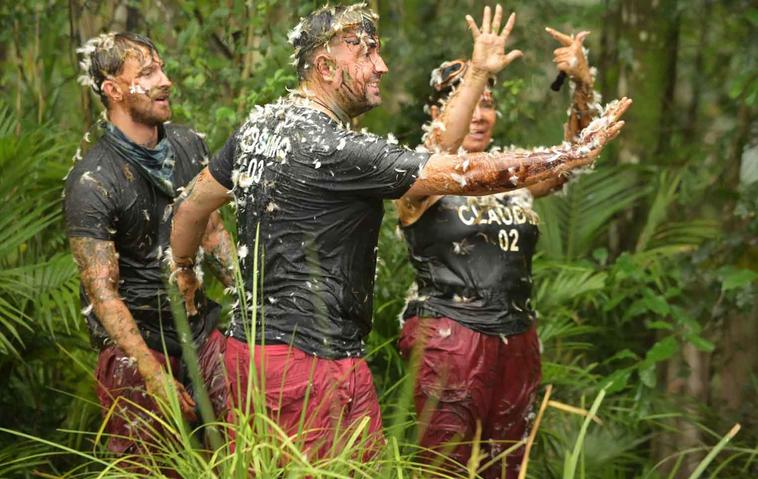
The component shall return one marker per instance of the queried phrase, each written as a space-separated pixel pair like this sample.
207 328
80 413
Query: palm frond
573 221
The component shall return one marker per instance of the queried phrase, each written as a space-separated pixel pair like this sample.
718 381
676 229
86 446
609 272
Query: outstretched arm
488 58
98 267
475 174
202 197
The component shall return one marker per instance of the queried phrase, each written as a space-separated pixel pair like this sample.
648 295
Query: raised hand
599 133
489 53
570 58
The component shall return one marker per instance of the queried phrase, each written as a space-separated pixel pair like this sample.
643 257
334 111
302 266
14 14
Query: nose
379 66
477 114
164 80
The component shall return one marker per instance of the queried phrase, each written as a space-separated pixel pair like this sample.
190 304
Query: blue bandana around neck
155 164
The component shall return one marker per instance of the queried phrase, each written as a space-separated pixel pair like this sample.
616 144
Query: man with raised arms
118 210
308 193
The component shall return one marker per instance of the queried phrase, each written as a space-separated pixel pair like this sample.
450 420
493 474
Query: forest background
646 275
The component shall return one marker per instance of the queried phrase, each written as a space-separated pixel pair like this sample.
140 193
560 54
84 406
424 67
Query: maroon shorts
465 377
130 428
315 400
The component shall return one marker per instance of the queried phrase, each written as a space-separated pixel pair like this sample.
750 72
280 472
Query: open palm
489 53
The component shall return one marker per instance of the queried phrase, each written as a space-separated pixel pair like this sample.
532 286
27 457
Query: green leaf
225 113
662 350
616 381
655 303
734 278
658 325
701 343
648 376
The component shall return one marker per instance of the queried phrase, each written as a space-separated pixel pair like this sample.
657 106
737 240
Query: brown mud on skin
98 266
516 168
217 245
127 172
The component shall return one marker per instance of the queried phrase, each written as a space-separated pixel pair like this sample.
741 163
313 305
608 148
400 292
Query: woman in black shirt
470 319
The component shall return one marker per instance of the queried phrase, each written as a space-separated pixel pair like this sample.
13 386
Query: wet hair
446 78
103 57
318 28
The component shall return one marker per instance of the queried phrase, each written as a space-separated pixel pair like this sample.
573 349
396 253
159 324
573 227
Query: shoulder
189 146
98 166
184 135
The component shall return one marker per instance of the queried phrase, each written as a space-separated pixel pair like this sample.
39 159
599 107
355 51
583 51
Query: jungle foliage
646 276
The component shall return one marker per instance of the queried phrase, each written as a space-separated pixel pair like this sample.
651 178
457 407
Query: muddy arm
192 218
217 244
476 174
98 267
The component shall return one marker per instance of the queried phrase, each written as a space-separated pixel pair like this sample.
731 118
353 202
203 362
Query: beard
354 96
143 109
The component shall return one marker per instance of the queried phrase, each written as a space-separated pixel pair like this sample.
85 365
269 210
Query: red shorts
335 394
465 377
130 428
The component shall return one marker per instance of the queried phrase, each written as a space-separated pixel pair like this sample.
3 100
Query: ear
113 91
434 110
325 67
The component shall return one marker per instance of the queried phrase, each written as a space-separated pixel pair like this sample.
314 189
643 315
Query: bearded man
118 209
309 194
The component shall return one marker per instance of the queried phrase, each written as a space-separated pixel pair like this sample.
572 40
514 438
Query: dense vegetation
646 276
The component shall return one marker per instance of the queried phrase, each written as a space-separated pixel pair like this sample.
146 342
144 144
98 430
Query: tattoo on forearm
584 108
98 266
218 245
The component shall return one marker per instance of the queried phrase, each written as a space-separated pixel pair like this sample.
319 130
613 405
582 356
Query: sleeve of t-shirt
359 163
222 164
89 205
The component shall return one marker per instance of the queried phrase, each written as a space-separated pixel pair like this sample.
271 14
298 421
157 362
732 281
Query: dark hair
103 57
447 77
317 29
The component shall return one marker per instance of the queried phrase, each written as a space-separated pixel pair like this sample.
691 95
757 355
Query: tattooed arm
476 174
217 244
192 218
98 267
570 59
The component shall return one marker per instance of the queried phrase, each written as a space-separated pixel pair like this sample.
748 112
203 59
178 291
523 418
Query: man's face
482 124
359 68
147 88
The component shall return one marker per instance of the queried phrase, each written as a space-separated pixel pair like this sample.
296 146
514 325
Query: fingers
486 20
513 55
189 302
472 26
616 128
497 20
581 36
619 109
186 403
563 57
564 40
614 131
508 26
623 106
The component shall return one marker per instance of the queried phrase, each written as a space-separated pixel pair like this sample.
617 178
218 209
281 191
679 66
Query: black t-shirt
108 199
312 192
473 261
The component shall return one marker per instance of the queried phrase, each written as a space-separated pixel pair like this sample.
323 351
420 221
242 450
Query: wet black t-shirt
473 261
108 199
312 192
